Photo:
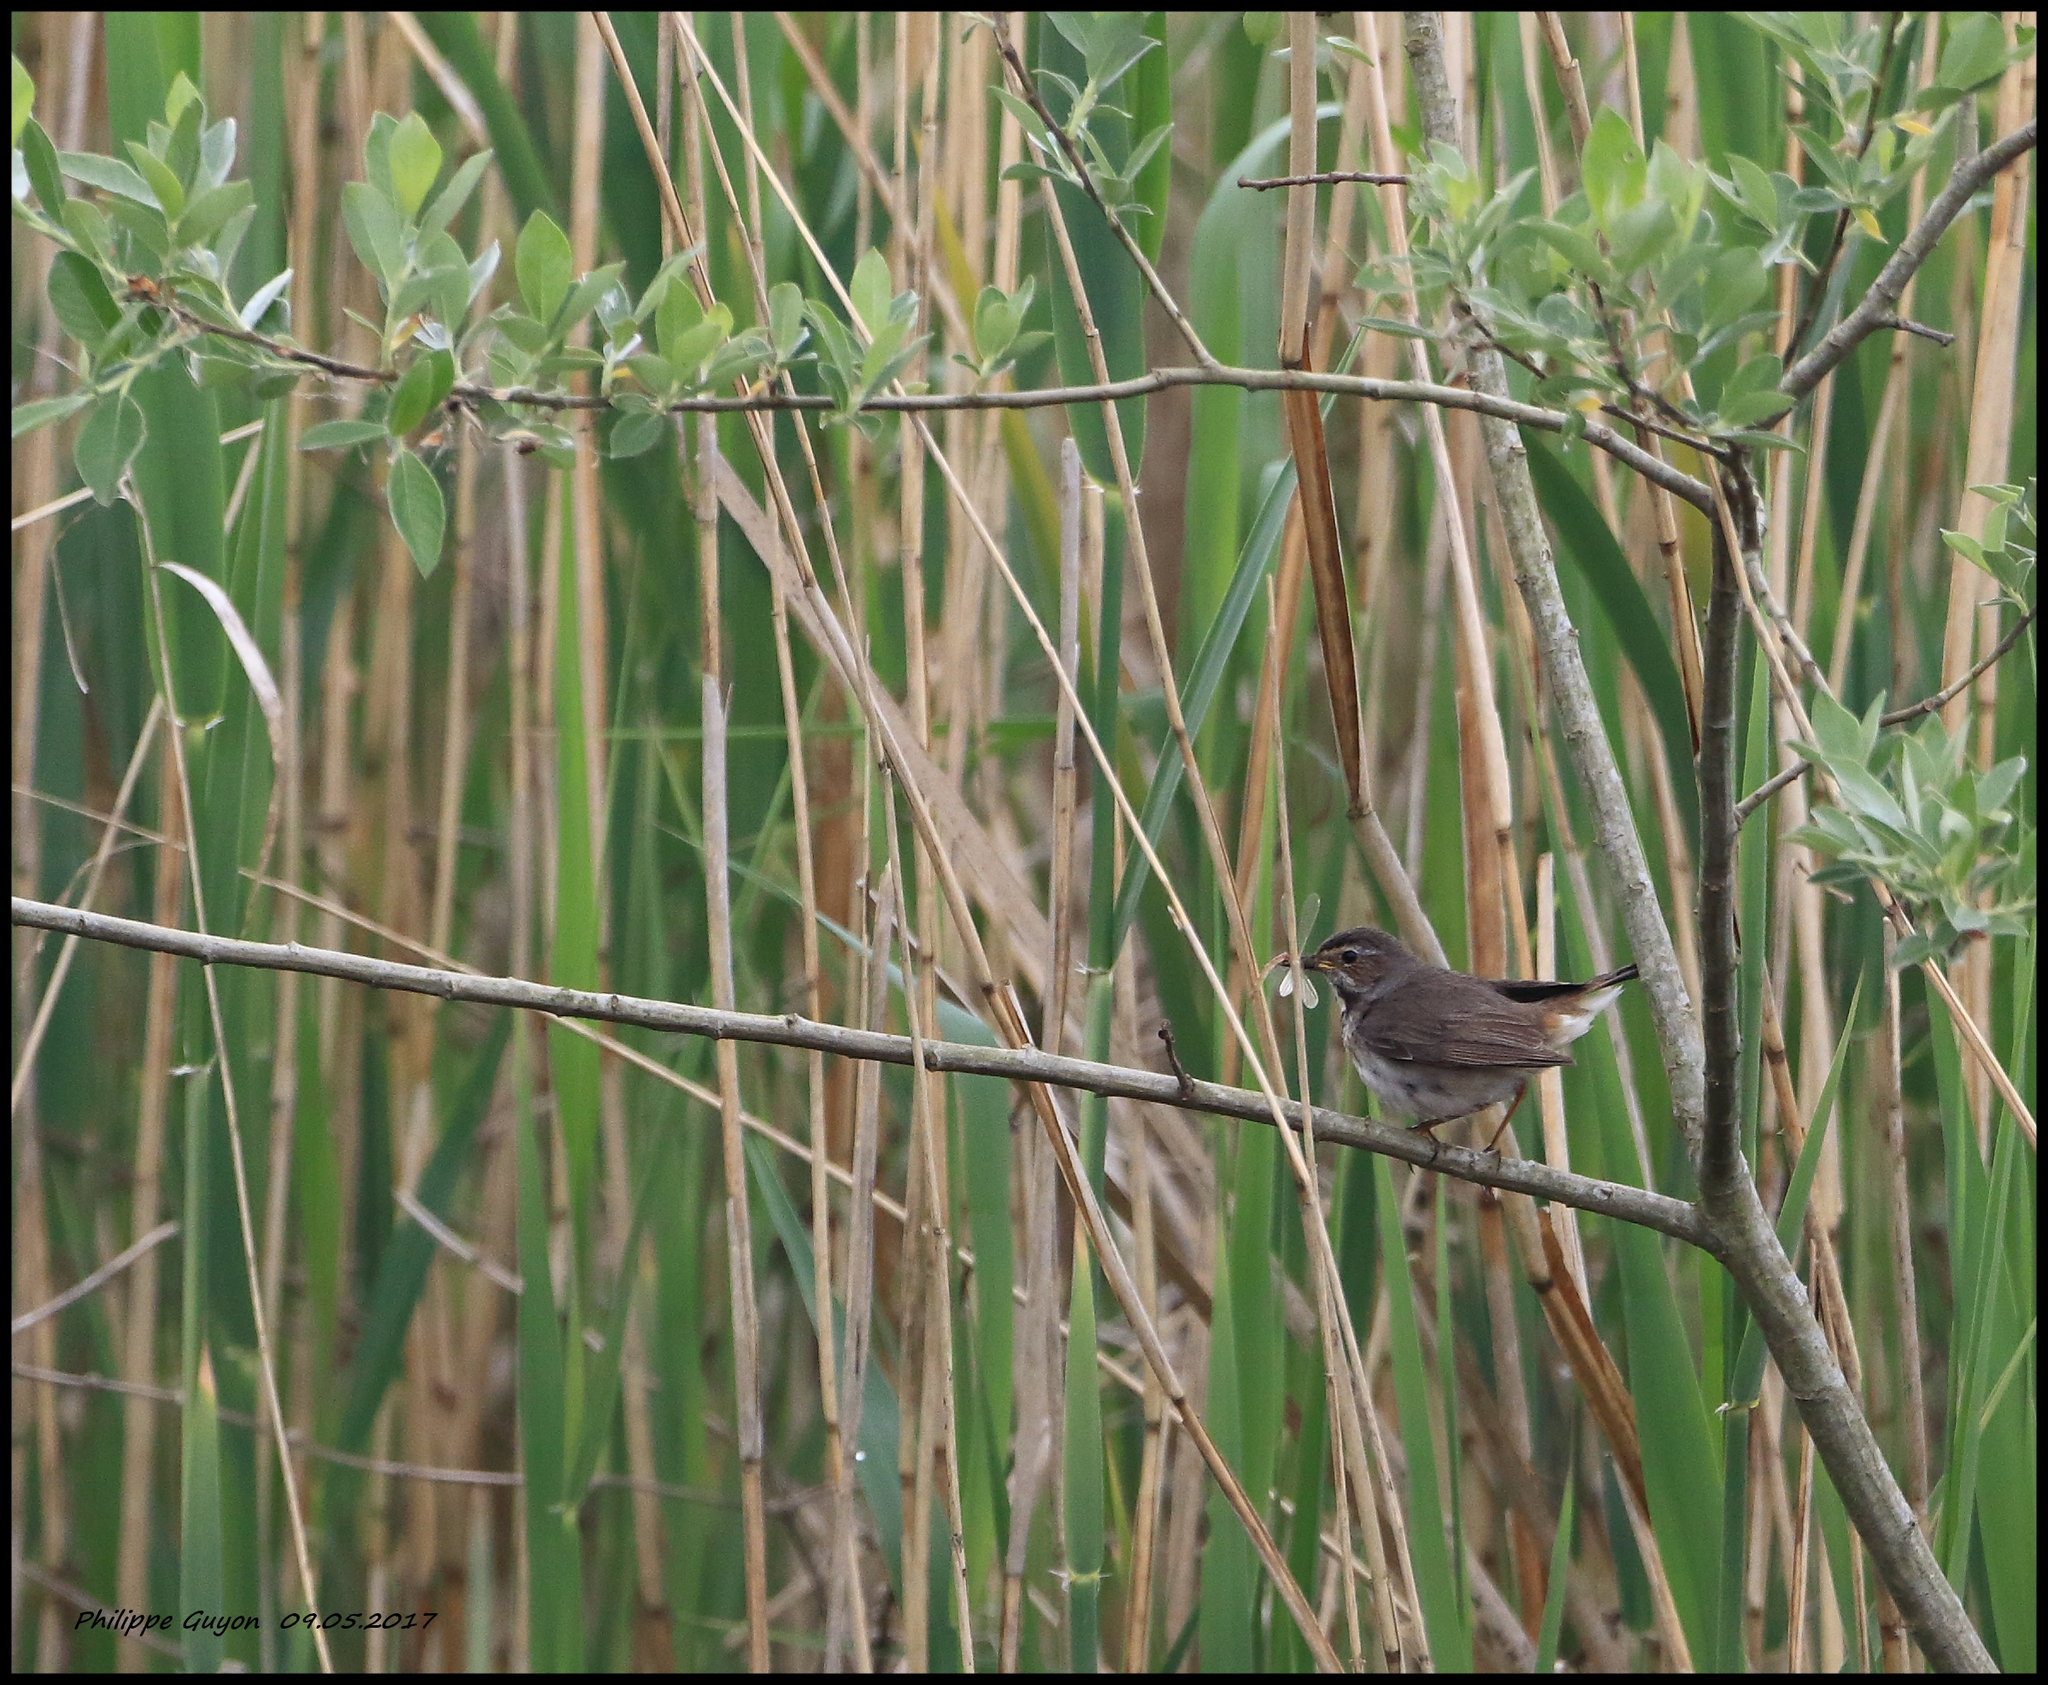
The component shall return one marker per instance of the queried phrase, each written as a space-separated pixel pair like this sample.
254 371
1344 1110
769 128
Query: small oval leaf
417 509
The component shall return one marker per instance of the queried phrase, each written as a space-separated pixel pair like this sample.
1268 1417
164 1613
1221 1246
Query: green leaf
339 435
1916 949
1975 52
1995 788
1641 236
633 434
585 295
675 316
838 364
544 265
168 190
145 225
377 154
415 161
373 230
86 223
1838 734
653 372
216 155
481 271
669 274
24 98
417 509
420 391
1760 373
79 298
886 344
28 417
109 175
1577 248
185 111
208 214
1734 283
447 277
1613 170
786 319
107 444
738 359
1752 407
1679 184
179 98
686 353
44 174
1758 197
996 321
449 201
870 291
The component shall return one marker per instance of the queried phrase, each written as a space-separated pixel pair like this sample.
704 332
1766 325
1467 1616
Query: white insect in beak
1309 997
1312 906
1289 975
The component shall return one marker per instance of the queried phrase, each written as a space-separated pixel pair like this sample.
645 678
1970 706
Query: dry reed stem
1678 588
267 1363
1481 743
1897 386
1992 407
1794 861
138 1357
910 243
32 581
739 1246
1145 1509
1352 1472
1485 762
1212 831
1009 1023
1898 1200
936 1437
847 1606
1319 1245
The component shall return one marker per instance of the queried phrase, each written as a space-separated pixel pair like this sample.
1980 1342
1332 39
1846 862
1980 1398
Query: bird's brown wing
1478 1036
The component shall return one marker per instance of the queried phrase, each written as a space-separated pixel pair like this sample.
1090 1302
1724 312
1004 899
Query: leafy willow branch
1897 716
1817 287
1879 308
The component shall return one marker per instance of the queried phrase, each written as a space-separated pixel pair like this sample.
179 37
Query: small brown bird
1439 1044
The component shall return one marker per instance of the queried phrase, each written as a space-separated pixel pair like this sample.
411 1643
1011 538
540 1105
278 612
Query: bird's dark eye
1350 956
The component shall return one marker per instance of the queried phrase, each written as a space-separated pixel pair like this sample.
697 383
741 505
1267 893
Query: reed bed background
604 1347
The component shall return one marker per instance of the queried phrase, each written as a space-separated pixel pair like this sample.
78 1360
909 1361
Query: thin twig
1259 184
1882 301
1027 86
465 394
105 1273
1900 324
1025 1065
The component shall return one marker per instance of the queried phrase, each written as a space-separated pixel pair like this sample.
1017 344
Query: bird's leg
1503 1129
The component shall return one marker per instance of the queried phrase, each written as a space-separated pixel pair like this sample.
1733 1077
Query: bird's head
1359 962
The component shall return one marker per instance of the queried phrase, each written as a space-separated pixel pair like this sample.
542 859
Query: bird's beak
1316 962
